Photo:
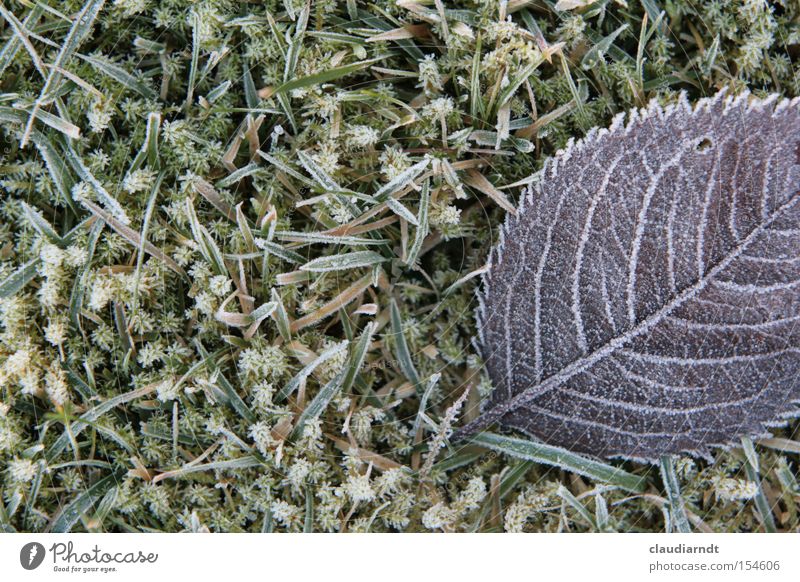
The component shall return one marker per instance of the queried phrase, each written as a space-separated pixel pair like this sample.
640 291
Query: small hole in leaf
704 144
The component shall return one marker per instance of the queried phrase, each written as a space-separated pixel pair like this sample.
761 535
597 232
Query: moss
171 122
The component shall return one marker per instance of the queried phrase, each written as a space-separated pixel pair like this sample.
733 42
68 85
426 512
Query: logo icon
31 555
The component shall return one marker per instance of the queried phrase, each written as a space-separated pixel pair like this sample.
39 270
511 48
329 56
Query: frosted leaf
646 297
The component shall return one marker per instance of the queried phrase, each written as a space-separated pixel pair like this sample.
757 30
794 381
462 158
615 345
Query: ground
239 248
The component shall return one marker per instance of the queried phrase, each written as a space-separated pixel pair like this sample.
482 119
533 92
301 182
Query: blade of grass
562 458
422 229
66 519
111 203
19 278
281 317
250 93
232 464
598 50
781 444
341 300
21 34
79 287
308 522
279 251
106 505
70 130
121 76
44 228
238 175
480 183
236 403
317 406
401 347
148 213
93 414
9 51
573 502
677 508
319 175
576 95
208 192
343 262
205 243
358 356
400 181
149 149
325 76
132 236
33 493
516 82
81 28
52 158
301 376
318 237
286 169
476 106
195 21
401 211
752 470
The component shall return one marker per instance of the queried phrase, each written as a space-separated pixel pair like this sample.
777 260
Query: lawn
240 246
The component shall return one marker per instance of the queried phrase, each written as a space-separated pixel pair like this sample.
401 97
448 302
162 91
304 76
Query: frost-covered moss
157 212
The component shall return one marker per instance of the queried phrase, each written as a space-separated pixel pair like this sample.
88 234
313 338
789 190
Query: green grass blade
241 173
308 523
92 415
562 458
245 462
9 51
205 243
401 347
519 78
111 204
281 317
132 236
195 21
318 237
148 213
752 470
279 251
18 279
422 229
343 262
672 488
121 76
41 225
286 169
301 376
79 287
317 406
72 512
325 76
575 503
81 28
401 211
400 181
358 356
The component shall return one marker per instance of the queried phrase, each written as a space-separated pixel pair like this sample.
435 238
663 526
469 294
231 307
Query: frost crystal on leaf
646 297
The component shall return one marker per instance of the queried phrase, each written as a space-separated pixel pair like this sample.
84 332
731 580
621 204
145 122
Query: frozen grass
240 241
